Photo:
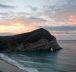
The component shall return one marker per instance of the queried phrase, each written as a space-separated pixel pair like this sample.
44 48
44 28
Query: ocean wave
13 62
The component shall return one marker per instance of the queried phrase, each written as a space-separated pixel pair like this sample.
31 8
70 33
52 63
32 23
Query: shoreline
7 67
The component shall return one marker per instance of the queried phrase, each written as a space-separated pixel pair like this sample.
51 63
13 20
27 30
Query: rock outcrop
37 40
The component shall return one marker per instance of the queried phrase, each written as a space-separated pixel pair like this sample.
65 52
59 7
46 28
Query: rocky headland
37 40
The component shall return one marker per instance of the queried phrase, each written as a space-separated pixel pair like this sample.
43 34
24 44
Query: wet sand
6 67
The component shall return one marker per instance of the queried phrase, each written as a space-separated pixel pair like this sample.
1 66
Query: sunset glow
72 20
17 28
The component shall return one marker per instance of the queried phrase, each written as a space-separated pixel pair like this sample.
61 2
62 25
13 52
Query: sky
57 16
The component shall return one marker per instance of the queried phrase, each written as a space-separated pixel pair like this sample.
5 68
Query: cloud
6 6
37 18
32 8
24 21
65 10
62 28
60 10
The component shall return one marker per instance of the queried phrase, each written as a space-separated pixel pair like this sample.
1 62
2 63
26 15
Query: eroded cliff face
37 40
41 45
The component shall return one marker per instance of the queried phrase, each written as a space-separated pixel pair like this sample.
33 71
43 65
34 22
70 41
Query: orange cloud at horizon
27 25
55 23
72 20
17 27
64 19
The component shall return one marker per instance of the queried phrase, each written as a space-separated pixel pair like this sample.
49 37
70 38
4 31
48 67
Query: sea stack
37 40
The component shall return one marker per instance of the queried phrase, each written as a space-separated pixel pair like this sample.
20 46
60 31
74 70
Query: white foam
11 61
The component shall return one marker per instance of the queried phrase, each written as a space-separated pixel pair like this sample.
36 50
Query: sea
45 61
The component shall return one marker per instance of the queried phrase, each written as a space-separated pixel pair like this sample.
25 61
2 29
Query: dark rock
36 40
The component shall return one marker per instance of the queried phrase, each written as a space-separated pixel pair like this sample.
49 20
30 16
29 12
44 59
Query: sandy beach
6 67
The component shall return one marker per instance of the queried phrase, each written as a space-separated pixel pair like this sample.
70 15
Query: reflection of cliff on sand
37 40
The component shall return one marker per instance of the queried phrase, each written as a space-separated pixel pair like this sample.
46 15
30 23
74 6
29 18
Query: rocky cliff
36 40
